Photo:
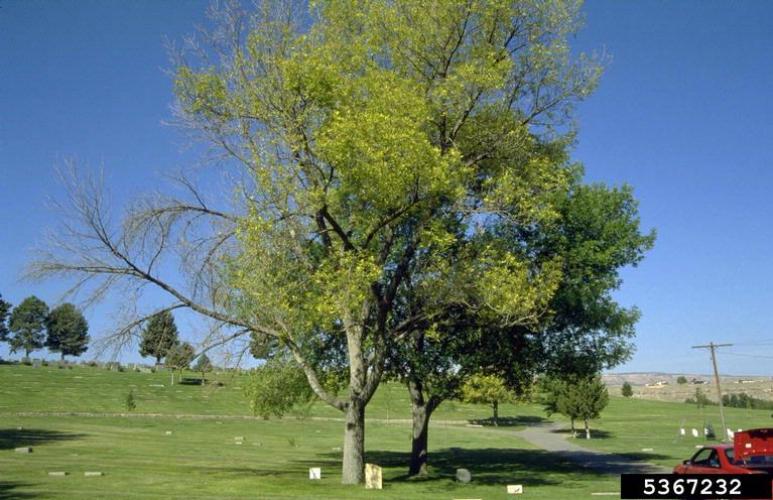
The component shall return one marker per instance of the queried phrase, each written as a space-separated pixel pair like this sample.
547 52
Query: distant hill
664 386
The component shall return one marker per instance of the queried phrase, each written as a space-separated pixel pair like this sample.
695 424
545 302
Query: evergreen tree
627 390
68 331
160 335
27 325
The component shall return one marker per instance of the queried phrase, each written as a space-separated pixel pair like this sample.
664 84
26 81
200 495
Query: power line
713 347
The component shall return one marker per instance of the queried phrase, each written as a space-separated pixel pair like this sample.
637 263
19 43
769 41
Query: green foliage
180 356
67 331
627 390
5 310
575 397
276 387
487 389
699 399
27 325
203 365
743 400
159 335
681 380
131 404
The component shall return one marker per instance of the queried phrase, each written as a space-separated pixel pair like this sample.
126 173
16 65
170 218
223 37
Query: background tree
5 310
595 233
375 141
27 325
681 380
576 397
159 336
67 331
179 357
627 390
487 389
276 387
203 365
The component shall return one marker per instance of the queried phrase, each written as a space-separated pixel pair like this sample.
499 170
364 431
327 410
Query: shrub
130 403
681 380
627 390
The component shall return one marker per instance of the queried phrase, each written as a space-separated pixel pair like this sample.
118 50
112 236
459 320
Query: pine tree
27 324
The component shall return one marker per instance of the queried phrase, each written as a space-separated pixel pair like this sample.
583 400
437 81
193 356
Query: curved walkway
545 436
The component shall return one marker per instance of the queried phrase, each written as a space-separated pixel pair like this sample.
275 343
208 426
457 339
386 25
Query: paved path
545 436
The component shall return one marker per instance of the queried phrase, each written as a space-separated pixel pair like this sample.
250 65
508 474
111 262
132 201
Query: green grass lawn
630 425
200 459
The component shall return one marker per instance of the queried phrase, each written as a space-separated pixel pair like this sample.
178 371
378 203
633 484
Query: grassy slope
201 459
629 425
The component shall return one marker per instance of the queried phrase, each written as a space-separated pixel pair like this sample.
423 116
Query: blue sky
682 113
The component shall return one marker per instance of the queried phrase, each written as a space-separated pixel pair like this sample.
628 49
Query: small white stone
168 433
57 473
315 473
24 449
93 474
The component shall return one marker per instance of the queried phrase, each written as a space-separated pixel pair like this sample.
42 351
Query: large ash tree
375 142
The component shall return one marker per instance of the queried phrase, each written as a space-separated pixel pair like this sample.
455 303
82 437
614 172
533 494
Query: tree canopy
27 325
388 155
67 331
5 310
159 336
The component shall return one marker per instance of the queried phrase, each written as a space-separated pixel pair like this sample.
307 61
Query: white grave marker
373 477
682 431
515 489
695 433
315 473
730 434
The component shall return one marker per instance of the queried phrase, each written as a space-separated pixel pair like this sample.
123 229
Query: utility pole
713 347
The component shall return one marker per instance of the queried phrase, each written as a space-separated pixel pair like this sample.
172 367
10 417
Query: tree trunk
587 429
495 405
574 432
421 411
353 468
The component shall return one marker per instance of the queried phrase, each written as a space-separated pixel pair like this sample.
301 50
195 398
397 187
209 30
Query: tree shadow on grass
509 421
490 466
8 490
595 434
14 438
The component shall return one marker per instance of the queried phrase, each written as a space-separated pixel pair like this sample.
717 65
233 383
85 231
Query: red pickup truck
750 453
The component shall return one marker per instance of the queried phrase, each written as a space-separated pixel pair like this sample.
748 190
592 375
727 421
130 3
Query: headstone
24 449
647 449
239 438
168 433
682 431
695 433
463 475
705 431
698 446
57 473
515 489
730 434
20 428
373 477
315 473
93 474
